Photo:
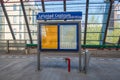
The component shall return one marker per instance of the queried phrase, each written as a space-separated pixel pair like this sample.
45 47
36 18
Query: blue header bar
59 15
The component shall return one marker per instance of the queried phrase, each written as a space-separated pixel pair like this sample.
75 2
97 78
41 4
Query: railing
86 46
102 46
11 45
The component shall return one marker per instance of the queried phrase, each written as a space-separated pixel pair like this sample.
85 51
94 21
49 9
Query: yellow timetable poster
49 37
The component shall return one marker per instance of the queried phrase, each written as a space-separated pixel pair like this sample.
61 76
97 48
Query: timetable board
59 37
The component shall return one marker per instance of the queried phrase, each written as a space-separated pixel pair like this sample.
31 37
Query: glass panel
98 2
94 28
93 36
21 35
54 6
92 42
8 36
31 10
114 32
77 5
112 39
97 18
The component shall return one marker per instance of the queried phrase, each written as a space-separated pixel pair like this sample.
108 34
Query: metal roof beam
64 5
43 5
25 17
7 18
86 21
108 19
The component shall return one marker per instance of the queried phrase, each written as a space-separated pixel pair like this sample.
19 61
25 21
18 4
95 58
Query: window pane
14 7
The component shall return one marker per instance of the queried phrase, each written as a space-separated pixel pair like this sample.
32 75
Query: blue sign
59 15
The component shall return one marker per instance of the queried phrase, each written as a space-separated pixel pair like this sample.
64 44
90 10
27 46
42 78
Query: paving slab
24 67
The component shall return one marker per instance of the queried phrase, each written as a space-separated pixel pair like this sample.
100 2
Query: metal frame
25 17
8 21
62 22
108 19
38 47
58 47
43 5
80 52
64 5
118 41
86 21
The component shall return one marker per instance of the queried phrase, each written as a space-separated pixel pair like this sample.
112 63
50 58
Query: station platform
24 67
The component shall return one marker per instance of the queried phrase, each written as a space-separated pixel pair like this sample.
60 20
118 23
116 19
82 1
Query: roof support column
7 18
108 19
86 21
43 5
64 5
25 17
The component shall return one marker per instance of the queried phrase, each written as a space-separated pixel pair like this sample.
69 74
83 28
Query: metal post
43 5
85 62
38 59
64 2
25 47
79 44
64 6
8 46
38 46
86 21
25 16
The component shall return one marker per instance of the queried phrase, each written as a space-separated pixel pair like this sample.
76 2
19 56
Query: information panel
59 37
68 37
49 37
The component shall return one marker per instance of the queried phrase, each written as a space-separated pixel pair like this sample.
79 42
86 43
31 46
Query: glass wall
97 19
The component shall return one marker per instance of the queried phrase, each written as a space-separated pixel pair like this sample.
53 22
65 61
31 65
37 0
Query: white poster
68 37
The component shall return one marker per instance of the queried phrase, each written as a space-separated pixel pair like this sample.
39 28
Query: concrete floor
23 67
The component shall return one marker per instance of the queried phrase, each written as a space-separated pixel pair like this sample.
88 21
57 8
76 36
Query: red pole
68 59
